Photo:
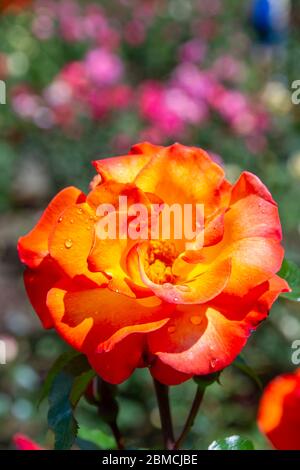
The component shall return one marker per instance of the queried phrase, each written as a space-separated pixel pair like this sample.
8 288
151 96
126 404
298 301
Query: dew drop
213 363
175 299
60 220
171 329
167 286
79 211
196 320
71 221
68 243
184 288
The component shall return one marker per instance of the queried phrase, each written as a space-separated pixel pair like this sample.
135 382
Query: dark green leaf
60 416
58 365
86 445
241 364
232 443
61 411
80 384
291 273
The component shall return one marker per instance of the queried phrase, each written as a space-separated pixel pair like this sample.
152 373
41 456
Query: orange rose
134 303
279 412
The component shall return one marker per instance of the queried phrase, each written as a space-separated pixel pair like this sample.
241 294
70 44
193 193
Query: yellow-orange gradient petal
33 247
124 169
169 173
72 239
88 317
196 290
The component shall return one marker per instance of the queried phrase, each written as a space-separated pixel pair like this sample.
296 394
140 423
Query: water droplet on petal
167 286
184 288
213 363
60 220
71 221
80 211
171 329
68 243
175 299
196 320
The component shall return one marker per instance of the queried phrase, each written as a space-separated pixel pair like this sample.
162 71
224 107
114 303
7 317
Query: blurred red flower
23 442
14 5
279 411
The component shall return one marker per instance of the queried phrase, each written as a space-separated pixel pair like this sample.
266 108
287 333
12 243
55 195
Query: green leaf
232 443
96 437
86 445
60 416
80 386
241 364
66 387
58 365
291 273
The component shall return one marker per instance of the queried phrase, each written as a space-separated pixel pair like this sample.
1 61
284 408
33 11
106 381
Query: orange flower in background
14 5
279 412
133 303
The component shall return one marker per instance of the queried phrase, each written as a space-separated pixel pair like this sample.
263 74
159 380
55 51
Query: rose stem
162 395
108 410
191 417
117 435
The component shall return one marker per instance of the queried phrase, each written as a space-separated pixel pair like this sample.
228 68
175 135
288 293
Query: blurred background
88 79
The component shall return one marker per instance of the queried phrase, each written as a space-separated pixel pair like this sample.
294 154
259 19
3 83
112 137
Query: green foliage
241 364
58 365
204 381
291 273
60 417
96 437
80 384
65 390
232 443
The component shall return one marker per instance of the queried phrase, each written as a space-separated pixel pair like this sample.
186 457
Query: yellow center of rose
159 262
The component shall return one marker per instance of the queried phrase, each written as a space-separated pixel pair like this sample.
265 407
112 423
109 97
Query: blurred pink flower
23 442
94 21
135 32
197 83
25 102
70 24
227 67
184 107
43 25
193 51
74 75
154 107
103 67
121 96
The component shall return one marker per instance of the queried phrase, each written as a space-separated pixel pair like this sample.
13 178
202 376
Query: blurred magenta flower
193 51
103 67
23 442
